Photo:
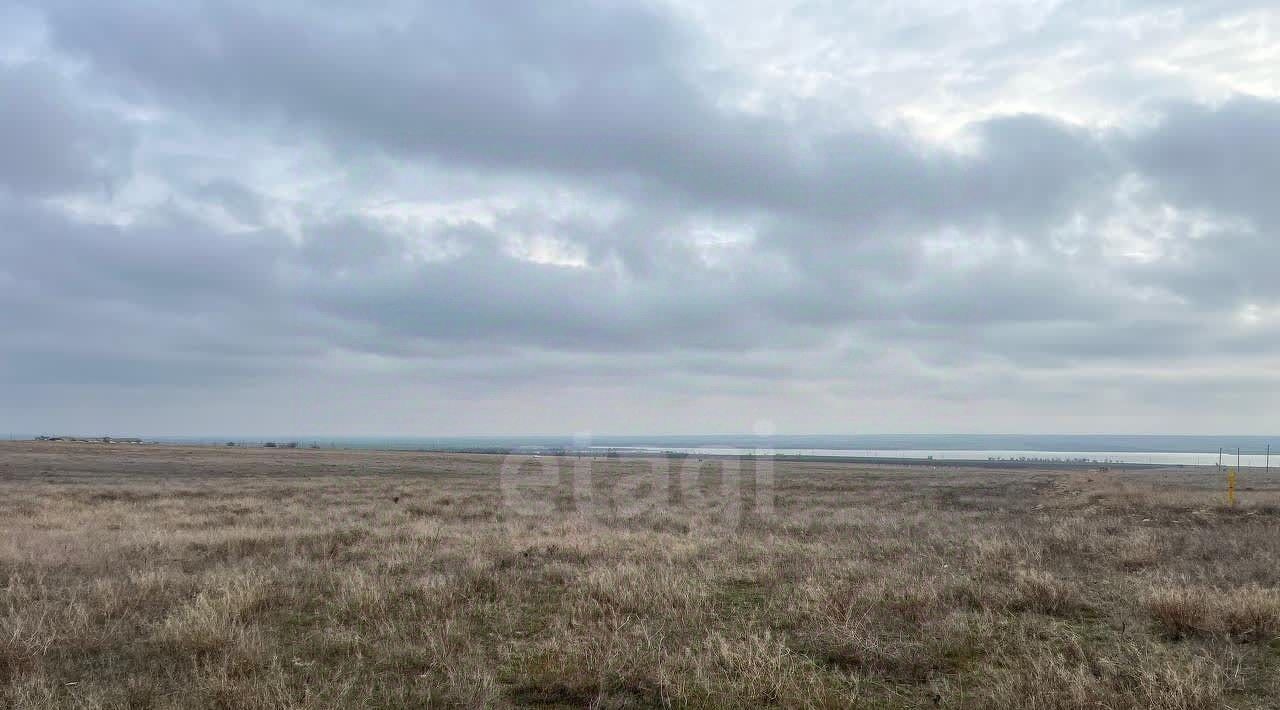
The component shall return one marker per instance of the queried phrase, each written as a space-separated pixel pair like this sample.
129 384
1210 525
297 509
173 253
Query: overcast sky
494 216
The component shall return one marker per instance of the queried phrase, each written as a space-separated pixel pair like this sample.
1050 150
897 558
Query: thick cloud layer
50 142
547 217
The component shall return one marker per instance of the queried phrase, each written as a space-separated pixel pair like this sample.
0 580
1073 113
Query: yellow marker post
1231 486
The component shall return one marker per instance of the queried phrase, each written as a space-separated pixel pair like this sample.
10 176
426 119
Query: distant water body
1154 449
1163 458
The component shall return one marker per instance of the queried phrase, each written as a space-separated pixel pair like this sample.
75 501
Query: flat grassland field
176 577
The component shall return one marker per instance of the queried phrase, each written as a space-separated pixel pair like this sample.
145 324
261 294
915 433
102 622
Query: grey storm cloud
1225 157
513 197
582 89
50 141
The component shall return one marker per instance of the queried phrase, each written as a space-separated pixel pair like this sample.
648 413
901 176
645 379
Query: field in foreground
236 578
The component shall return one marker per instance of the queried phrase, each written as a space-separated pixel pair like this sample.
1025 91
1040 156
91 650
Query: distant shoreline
903 461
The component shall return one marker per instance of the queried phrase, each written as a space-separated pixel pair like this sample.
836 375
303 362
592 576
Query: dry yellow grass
201 577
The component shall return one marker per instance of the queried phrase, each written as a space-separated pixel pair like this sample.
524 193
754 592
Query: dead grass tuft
1244 614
